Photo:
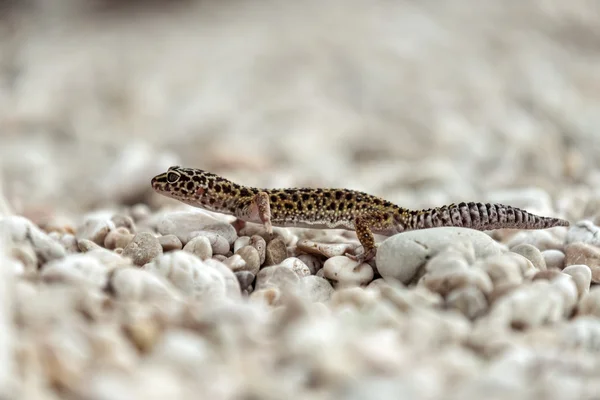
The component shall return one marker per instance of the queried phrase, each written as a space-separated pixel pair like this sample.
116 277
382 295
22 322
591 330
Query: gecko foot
364 257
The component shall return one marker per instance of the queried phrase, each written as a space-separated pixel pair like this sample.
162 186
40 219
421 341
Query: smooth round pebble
134 284
186 224
207 279
241 242
583 253
455 276
470 301
234 263
528 306
139 211
312 262
119 237
507 268
218 243
200 247
25 254
251 258
170 243
276 252
20 229
143 248
401 256
582 333
86 245
76 268
69 243
345 272
582 276
532 254
554 259
297 266
275 277
317 289
590 302
540 239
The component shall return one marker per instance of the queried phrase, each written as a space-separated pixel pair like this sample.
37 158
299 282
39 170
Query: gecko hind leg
363 225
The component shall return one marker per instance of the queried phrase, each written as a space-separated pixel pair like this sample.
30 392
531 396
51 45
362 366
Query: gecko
330 208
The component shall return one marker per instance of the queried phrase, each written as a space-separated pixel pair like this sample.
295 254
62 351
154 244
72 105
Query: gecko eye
172 177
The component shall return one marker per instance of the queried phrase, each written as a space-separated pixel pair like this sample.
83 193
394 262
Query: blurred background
423 102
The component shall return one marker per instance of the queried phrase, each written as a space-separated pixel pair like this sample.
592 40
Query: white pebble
20 229
217 242
555 259
317 289
76 268
312 262
134 284
241 242
186 224
200 247
277 277
194 277
583 231
401 256
582 276
297 266
345 272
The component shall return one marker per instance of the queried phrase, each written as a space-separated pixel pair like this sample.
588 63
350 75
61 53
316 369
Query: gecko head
184 184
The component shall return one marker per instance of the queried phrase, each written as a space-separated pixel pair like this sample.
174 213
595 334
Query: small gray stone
143 248
275 276
401 256
276 252
170 243
245 278
532 253
251 257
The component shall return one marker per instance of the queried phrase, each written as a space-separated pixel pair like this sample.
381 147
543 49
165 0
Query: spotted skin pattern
334 208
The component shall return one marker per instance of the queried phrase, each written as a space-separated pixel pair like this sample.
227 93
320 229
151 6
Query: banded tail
480 216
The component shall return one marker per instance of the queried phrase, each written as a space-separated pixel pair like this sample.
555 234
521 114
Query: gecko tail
481 216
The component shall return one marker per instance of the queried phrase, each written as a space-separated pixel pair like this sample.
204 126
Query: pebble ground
109 291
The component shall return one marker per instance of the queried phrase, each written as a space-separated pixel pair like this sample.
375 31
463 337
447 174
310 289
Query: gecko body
334 208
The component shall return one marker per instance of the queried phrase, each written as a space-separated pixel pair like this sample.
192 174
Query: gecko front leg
258 208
